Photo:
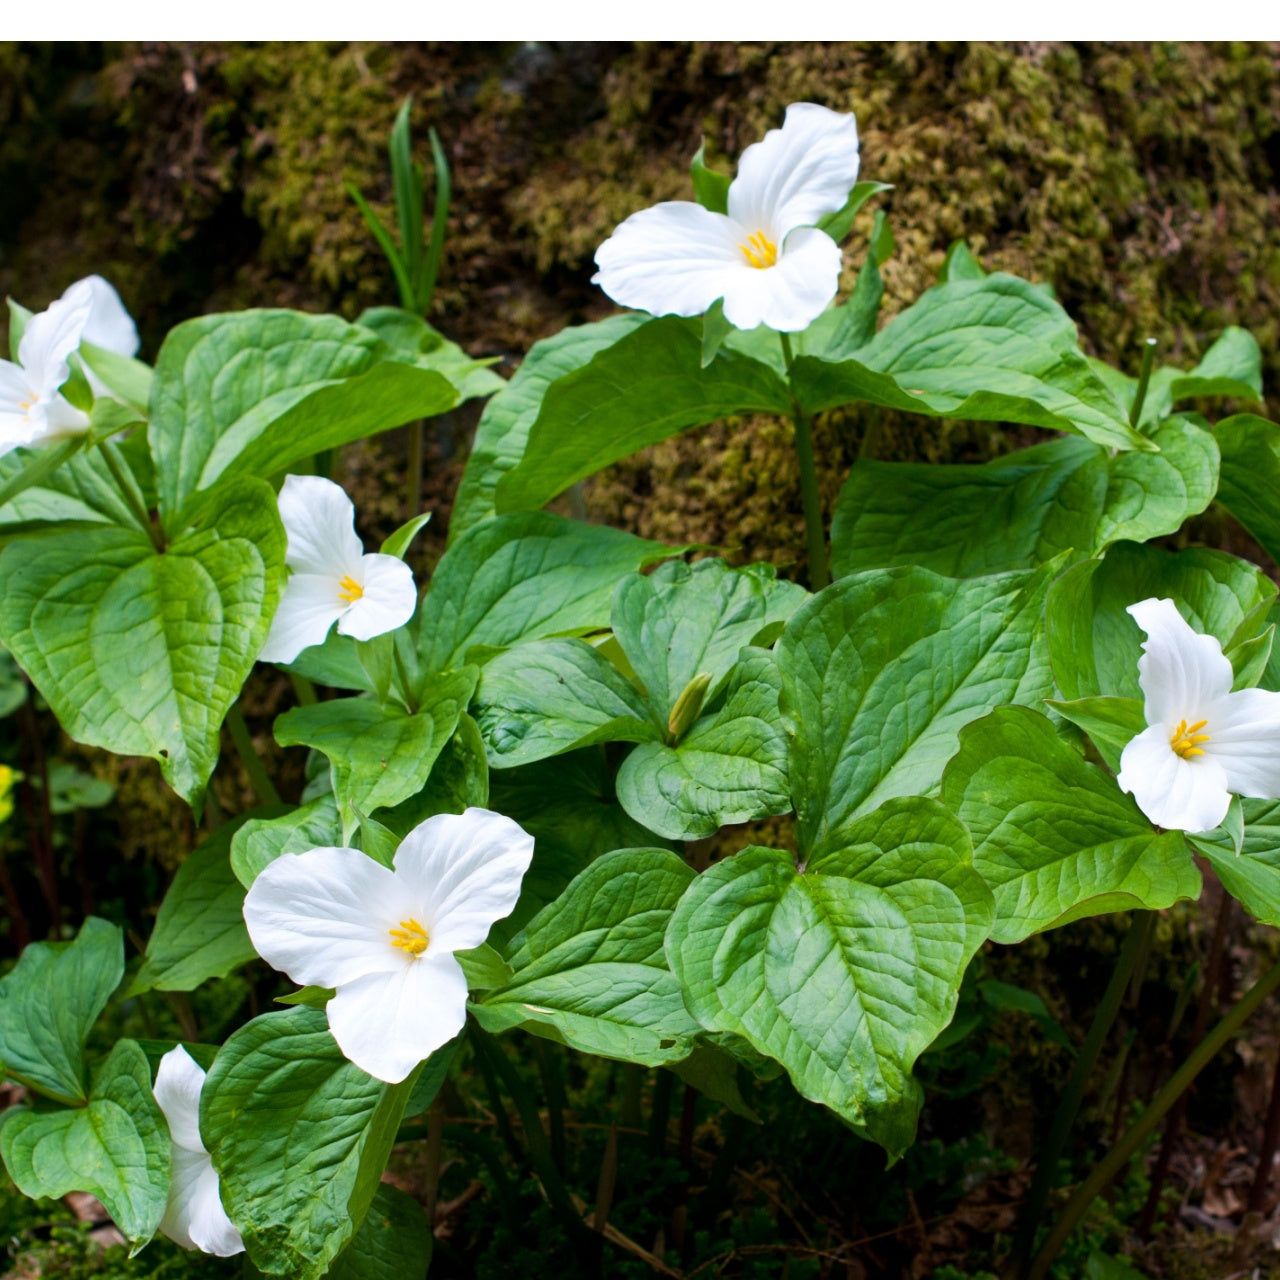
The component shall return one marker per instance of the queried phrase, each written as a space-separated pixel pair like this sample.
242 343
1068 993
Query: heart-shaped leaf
844 969
1054 837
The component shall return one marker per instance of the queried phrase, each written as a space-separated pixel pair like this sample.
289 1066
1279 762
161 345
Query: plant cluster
994 709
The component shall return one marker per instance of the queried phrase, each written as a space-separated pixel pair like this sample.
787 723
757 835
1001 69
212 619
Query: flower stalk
815 534
1140 927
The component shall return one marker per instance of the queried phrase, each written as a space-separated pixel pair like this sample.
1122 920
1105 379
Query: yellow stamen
349 590
760 251
1186 741
410 937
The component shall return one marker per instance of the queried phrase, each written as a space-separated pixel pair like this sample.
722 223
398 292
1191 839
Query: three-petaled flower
331 579
1202 741
766 257
32 410
194 1216
384 938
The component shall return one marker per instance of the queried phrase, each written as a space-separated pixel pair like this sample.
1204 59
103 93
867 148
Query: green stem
1033 1207
1144 377
535 1135
129 491
1178 1083
413 481
253 765
815 535
303 690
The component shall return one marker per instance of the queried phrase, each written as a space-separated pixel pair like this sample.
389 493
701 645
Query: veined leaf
844 969
143 652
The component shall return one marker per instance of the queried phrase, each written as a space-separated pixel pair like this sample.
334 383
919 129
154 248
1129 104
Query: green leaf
551 696
199 931
1023 509
715 329
845 970
1250 658
590 969
840 331
335 663
398 543
1095 644
647 386
483 968
1231 367
380 755
994 349
59 485
394 1241
116 1147
1054 837
710 188
195 617
412 339
128 378
1251 476
1251 876
299 1137
254 392
1111 722
503 432
569 807
262 840
524 577
881 671
838 225
386 243
730 767
686 619
960 264
49 1002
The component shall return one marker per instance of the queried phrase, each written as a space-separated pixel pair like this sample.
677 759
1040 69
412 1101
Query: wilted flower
765 257
384 938
31 409
331 579
194 1216
1203 742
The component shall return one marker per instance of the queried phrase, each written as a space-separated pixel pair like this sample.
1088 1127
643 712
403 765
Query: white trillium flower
765 257
110 326
1203 742
331 579
384 938
194 1216
31 409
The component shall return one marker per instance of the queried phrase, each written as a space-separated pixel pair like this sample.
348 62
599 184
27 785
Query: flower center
349 590
410 937
760 251
1186 739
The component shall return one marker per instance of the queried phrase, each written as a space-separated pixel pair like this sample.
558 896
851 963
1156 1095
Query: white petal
60 419
465 869
308 607
676 258
793 293
387 1023
321 523
51 336
179 1080
323 916
194 1216
1182 673
1177 794
1244 738
109 326
16 426
798 173
389 599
